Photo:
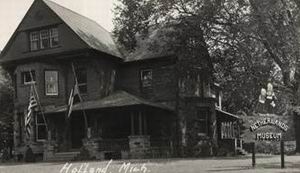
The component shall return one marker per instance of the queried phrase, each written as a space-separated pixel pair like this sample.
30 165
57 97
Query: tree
246 39
250 42
131 18
6 110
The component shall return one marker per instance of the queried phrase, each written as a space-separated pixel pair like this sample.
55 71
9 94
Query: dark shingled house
131 106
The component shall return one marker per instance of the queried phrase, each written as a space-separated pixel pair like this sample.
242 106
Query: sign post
282 153
253 154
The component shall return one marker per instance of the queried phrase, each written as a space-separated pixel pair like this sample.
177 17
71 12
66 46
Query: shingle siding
164 85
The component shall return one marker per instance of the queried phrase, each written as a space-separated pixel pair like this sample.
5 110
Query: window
146 78
81 74
41 130
51 82
53 37
202 121
34 40
43 39
28 77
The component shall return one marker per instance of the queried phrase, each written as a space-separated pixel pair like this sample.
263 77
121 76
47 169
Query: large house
129 107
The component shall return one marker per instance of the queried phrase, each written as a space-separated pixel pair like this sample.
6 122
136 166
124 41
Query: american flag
74 92
28 117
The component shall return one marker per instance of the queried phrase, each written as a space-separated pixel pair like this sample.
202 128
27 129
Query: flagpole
80 98
38 102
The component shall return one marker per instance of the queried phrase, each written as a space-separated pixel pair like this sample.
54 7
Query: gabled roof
88 30
91 33
116 99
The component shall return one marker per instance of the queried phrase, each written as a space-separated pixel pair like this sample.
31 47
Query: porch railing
161 148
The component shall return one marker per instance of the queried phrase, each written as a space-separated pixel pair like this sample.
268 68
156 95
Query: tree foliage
250 42
132 18
6 109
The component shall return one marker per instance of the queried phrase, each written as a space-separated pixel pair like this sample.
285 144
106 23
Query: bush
29 156
5 155
84 154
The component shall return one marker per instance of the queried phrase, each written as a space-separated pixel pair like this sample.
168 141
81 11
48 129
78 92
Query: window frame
53 36
57 82
34 39
44 35
204 120
143 81
81 84
37 125
23 77
38 37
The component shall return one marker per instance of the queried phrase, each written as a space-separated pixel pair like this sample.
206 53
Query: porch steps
241 151
63 156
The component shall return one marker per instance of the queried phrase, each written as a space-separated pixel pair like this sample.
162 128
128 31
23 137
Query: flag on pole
28 117
74 92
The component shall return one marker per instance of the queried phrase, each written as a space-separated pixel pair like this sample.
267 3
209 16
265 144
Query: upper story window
28 77
43 39
53 37
81 74
51 82
34 40
146 78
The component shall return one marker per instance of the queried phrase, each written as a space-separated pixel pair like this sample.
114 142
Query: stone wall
187 112
92 146
139 146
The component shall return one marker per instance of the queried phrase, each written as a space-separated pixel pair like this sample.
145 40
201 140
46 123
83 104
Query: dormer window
43 39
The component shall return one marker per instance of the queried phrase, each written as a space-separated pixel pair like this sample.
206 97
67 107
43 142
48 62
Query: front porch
229 138
125 129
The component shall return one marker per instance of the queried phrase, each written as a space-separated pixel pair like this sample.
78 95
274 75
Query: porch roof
116 99
227 114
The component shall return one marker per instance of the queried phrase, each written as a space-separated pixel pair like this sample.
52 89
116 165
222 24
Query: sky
13 11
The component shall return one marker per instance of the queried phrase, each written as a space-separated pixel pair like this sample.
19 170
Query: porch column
140 123
132 123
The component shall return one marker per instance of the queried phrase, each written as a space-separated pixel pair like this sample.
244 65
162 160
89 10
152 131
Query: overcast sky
12 12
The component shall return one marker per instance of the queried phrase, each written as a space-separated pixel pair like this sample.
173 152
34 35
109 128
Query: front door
77 130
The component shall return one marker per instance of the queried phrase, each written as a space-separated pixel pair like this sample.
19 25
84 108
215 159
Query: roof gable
78 32
33 18
88 30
